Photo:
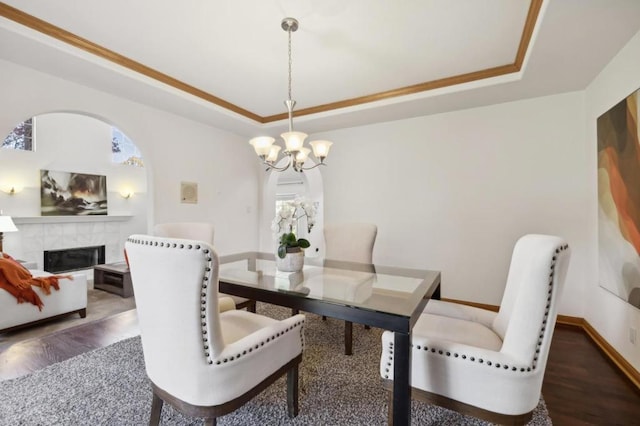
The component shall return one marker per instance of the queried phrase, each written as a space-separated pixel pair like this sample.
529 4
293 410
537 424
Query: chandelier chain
290 62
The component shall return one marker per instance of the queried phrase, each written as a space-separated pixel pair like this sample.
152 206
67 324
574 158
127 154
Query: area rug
109 387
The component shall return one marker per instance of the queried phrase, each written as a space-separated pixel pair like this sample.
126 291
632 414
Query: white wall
610 315
454 191
71 143
175 149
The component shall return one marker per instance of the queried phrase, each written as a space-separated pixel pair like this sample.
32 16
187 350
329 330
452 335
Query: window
123 150
22 137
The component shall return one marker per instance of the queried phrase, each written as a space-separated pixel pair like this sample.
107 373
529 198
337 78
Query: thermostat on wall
189 192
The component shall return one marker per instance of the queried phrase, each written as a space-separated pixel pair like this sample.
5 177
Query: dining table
387 297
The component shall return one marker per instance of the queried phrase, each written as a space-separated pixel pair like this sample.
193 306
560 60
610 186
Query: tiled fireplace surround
37 234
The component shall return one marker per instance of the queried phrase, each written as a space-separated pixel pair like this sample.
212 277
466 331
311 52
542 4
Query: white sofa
70 299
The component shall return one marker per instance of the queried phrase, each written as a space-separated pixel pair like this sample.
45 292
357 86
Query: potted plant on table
290 244
290 254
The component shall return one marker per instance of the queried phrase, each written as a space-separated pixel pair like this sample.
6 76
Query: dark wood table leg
292 392
436 294
401 372
348 338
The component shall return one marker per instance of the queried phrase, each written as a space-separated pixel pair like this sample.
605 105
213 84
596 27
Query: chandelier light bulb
302 155
321 148
273 154
293 141
262 145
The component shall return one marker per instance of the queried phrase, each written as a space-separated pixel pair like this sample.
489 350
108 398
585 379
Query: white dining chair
483 363
350 242
201 231
203 362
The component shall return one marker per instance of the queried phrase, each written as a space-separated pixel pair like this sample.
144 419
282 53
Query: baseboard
572 321
609 351
615 357
474 304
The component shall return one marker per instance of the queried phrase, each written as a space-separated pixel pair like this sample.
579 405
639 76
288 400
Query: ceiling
355 62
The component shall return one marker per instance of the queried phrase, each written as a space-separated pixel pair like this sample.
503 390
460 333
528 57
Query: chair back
175 282
529 305
201 231
350 242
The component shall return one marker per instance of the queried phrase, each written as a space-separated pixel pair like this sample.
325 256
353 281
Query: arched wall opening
313 190
73 142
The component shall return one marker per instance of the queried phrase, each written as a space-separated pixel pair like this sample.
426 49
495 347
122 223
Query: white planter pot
292 262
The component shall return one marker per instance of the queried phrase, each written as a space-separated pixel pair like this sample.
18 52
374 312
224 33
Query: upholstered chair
200 231
350 242
487 364
203 362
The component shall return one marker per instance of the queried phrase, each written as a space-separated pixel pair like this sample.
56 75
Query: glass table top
392 290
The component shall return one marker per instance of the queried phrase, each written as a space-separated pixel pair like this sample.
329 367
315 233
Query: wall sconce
11 189
126 193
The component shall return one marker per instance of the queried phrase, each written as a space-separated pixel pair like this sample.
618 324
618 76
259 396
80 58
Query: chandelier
295 150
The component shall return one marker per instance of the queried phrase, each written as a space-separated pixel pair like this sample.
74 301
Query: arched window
22 137
124 150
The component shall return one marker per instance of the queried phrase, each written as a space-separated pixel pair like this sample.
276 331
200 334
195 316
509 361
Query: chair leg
367 327
251 308
210 421
324 318
156 410
292 392
348 338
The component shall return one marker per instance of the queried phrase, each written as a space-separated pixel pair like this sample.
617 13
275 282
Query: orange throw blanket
17 280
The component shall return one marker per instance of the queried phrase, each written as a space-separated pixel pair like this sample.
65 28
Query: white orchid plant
288 215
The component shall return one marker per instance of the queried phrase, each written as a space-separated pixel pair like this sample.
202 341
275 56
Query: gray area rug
109 387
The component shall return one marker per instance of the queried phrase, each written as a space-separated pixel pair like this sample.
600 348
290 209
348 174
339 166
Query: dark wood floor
581 387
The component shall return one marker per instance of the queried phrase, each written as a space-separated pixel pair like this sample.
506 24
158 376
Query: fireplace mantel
71 219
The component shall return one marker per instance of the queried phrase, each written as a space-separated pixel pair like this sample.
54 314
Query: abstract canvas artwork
66 193
619 200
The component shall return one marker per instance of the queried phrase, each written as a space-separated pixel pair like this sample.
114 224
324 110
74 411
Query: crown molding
74 40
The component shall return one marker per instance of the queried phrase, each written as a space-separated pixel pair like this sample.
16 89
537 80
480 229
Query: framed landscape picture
68 193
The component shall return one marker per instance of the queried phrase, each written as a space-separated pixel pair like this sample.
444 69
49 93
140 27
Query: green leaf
304 243
291 240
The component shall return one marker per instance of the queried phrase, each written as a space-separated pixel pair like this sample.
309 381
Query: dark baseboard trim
625 367
565 320
474 304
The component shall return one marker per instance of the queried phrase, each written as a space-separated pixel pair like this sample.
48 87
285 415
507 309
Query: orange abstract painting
619 200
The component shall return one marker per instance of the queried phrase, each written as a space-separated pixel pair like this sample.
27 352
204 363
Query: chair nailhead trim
205 279
498 365
298 324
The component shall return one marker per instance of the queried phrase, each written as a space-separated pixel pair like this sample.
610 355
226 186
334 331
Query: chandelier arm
312 167
272 166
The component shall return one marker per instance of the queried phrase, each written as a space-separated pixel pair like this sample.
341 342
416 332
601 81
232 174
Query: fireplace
73 259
